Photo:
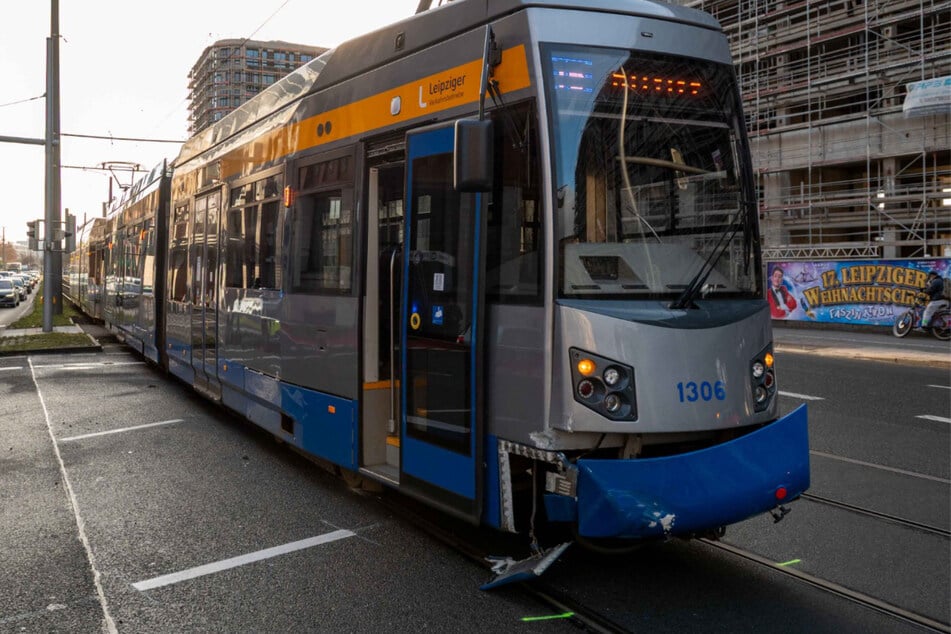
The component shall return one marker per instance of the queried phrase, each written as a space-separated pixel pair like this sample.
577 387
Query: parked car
9 296
24 284
21 289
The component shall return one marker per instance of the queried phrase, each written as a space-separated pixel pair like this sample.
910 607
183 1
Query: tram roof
376 48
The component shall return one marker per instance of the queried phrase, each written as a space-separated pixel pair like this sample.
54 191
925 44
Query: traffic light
70 244
32 227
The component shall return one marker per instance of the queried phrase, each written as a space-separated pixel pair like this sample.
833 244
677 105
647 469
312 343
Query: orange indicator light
332 409
586 367
769 359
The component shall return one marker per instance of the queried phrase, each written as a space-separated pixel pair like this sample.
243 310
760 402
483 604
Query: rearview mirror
472 160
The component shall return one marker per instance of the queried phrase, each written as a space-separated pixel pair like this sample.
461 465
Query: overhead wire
19 101
179 141
231 53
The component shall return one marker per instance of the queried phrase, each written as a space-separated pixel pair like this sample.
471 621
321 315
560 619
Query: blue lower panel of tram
180 360
324 425
327 424
452 471
691 492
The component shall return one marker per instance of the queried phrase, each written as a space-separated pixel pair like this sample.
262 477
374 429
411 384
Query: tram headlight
611 392
758 369
762 379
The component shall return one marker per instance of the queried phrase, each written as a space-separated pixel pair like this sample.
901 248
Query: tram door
204 267
441 316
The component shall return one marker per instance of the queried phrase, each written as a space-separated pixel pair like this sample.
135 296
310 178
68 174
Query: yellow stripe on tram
421 97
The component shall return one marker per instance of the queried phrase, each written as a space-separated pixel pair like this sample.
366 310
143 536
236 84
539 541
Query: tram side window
242 268
178 282
323 242
513 257
322 233
148 262
266 247
235 239
251 233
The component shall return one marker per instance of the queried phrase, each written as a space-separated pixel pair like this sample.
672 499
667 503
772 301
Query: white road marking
109 625
882 467
234 562
938 419
124 429
804 397
941 387
88 366
15 367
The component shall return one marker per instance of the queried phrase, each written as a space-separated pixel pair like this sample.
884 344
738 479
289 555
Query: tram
502 256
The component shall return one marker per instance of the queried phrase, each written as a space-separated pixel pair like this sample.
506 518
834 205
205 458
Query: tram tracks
591 620
560 604
830 587
935 530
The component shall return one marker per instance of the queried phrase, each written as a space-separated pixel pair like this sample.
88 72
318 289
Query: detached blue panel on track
695 491
510 571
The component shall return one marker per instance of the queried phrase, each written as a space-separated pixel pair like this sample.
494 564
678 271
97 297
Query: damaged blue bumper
693 492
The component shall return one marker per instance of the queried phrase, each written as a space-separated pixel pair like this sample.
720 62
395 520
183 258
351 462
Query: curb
927 359
72 349
94 346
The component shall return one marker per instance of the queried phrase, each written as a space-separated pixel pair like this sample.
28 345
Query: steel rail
833 588
818 499
583 616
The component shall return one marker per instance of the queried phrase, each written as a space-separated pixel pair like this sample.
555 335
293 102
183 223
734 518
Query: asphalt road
93 521
115 477
10 315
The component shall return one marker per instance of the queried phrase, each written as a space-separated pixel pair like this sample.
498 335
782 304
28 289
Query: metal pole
48 195
57 172
52 261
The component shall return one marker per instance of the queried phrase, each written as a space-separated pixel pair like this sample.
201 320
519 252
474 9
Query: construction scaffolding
230 72
845 168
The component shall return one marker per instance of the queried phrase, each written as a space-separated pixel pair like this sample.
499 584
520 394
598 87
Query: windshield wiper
685 300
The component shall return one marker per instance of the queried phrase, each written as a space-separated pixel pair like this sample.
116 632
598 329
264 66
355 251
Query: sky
124 73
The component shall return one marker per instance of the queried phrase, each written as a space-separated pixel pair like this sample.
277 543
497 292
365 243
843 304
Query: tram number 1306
692 391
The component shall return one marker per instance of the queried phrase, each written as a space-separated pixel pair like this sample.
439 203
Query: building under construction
847 105
229 72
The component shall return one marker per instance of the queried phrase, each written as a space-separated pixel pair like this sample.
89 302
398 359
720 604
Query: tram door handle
395 319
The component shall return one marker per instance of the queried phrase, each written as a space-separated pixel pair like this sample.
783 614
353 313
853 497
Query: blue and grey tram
498 255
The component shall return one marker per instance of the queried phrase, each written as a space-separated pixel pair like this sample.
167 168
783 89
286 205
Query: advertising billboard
870 292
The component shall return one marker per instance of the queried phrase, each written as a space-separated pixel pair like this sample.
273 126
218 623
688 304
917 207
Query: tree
9 253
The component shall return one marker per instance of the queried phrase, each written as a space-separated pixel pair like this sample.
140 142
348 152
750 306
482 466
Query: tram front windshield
652 176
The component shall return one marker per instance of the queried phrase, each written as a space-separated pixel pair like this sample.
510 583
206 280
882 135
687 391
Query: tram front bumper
698 491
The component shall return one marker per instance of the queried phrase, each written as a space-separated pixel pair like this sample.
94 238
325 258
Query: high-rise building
848 105
229 72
